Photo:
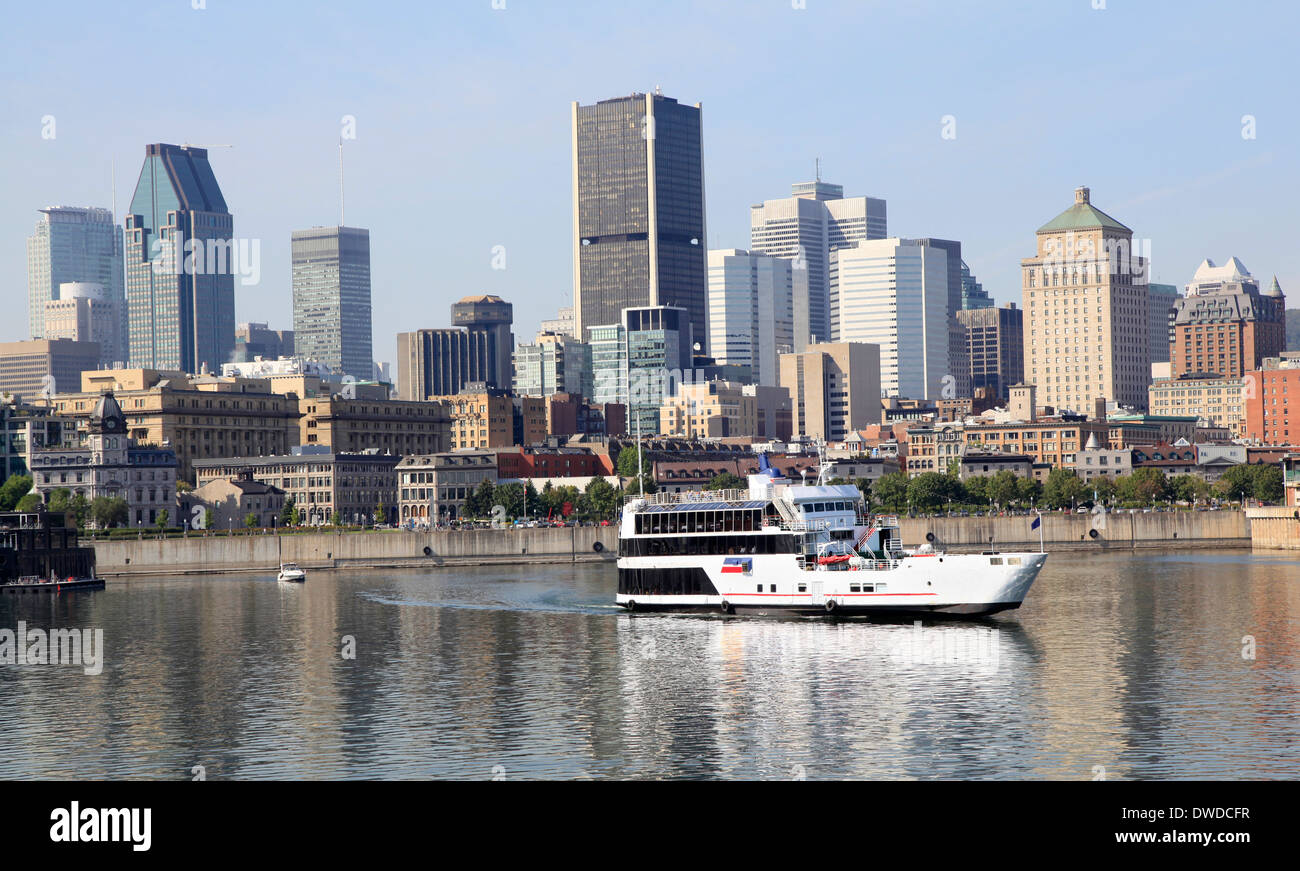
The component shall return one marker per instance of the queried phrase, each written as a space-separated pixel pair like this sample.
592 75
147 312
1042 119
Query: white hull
296 577
970 584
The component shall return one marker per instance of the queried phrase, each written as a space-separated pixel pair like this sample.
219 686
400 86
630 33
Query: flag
738 565
1038 521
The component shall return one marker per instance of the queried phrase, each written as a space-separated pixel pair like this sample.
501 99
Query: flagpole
1040 532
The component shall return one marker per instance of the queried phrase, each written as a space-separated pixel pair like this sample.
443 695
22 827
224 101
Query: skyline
499 167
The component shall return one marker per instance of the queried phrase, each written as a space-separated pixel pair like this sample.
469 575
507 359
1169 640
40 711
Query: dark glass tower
331 299
638 210
180 264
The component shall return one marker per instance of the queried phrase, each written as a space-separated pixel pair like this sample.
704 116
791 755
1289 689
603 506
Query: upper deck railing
691 496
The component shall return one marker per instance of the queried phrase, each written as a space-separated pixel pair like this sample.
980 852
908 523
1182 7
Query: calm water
1133 663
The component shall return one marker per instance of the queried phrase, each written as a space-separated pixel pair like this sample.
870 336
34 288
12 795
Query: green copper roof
1082 216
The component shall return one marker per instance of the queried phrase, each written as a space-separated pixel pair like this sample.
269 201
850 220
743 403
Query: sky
462 140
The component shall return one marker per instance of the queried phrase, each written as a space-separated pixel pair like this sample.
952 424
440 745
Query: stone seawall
264 553
1275 527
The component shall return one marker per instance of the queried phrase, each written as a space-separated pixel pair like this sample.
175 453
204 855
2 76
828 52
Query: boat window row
686 581
823 507
713 545
673 522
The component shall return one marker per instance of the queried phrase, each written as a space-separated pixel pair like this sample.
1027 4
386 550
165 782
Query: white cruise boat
782 548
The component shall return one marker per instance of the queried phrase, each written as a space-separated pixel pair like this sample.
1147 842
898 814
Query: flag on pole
1038 521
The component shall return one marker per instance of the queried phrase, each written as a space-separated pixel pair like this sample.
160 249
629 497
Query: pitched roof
1082 216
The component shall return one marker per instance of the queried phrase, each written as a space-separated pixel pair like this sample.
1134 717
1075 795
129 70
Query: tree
1237 482
161 521
250 520
184 487
1002 488
28 502
1148 485
479 503
627 468
14 488
726 481
891 491
977 490
109 511
1268 482
599 501
381 513
79 509
336 519
1064 488
1028 490
289 513
1104 488
1188 488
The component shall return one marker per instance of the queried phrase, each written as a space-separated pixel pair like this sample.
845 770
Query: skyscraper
958 364
638 210
893 293
834 389
813 221
973 294
1161 299
476 350
995 347
331 299
1087 321
751 319
73 244
180 263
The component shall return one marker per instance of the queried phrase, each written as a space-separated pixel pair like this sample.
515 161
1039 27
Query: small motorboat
291 573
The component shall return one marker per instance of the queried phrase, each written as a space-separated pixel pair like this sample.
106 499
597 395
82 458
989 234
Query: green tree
726 481
1148 485
380 514
599 501
28 502
479 503
977 490
250 520
1237 482
1103 486
891 491
336 519
184 487
79 509
627 468
1063 489
1002 488
1028 491
1268 482
109 511
161 520
14 488
289 513
1188 488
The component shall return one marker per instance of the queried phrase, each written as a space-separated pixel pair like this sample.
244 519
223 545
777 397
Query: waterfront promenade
217 553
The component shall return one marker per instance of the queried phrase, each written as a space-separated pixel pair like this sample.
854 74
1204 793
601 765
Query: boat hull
54 586
952 585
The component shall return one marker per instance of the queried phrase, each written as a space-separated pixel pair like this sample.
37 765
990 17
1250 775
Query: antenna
819 169
113 176
196 145
342 223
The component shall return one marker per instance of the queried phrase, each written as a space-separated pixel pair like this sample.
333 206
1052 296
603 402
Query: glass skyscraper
638 210
331 299
73 244
180 264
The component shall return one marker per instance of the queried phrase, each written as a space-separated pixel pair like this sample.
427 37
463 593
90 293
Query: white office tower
894 293
805 227
751 311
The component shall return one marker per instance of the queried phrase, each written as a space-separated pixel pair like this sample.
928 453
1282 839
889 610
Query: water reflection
1127 665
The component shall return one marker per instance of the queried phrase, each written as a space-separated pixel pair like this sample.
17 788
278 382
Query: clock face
112 424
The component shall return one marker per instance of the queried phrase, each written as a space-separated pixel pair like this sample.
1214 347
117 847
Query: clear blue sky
462 117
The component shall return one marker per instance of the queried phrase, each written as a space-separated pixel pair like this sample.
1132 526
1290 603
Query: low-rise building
1213 397
983 464
390 426
108 464
434 487
1098 459
710 409
933 449
483 418
320 482
232 500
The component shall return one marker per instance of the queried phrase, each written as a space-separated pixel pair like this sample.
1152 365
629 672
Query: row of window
712 545
691 581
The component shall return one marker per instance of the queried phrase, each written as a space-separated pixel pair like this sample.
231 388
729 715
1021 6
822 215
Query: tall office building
476 350
893 293
995 345
806 227
958 364
253 340
1225 324
834 389
1087 318
638 210
751 313
73 244
180 264
973 294
85 313
331 299
1161 299
553 363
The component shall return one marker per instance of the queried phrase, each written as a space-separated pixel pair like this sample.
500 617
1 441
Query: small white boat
290 572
